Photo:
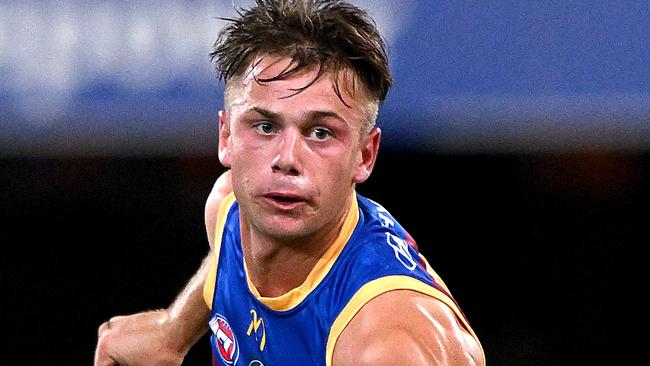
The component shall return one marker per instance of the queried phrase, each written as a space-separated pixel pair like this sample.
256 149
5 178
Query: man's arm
406 328
163 337
222 187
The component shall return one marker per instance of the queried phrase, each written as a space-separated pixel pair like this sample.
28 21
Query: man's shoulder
404 319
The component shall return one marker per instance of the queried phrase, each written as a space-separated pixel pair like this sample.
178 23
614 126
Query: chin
286 229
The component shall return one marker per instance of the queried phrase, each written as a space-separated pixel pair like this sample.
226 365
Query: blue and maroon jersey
372 255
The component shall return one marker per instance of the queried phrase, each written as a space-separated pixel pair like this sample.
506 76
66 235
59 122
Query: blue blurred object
134 77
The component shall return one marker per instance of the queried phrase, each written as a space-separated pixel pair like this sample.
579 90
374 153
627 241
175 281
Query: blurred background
515 151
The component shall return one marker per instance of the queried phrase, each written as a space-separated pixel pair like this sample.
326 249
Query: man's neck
276 267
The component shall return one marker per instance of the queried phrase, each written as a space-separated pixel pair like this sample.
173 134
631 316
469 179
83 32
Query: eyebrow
313 115
266 113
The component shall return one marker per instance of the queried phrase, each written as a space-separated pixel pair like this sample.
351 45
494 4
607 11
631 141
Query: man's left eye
321 133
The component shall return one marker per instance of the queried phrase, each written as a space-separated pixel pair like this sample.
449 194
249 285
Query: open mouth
284 201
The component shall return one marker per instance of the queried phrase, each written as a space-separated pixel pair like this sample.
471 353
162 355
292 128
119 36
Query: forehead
269 79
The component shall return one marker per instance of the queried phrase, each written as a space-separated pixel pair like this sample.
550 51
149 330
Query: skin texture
294 163
404 327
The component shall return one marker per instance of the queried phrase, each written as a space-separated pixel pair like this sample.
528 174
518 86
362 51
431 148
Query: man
302 270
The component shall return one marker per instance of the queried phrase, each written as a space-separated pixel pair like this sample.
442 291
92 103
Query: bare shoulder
221 188
405 327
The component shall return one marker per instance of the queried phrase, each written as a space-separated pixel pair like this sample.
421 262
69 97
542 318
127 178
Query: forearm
163 337
156 338
188 315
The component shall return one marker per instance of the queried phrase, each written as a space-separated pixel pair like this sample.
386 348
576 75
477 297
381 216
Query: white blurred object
59 58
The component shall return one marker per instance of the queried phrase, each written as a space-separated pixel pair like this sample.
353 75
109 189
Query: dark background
536 248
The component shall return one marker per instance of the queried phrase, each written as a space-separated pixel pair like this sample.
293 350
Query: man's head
330 34
303 84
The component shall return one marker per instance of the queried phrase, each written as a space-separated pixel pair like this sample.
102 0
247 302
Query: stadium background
515 151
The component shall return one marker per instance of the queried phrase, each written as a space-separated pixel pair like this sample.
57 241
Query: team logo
225 339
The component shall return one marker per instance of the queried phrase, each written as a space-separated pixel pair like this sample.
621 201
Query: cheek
338 173
246 154
244 165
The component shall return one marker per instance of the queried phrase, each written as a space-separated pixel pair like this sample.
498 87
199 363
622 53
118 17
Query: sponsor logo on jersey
399 245
225 339
258 328
401 249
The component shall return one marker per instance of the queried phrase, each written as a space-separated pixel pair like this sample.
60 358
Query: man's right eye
264 128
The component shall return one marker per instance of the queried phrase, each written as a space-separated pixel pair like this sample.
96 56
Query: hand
142 339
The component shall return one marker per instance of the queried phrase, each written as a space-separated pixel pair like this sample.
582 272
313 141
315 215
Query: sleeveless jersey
372 255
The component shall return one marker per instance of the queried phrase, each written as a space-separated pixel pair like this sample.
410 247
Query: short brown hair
332 34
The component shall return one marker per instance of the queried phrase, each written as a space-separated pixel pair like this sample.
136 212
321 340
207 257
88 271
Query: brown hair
332 34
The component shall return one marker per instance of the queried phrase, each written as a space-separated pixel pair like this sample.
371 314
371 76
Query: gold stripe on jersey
375 288
222 214
462 317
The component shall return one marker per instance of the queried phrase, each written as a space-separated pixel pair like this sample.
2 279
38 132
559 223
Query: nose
287 160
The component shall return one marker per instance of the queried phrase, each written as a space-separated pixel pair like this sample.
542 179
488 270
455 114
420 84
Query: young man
302 271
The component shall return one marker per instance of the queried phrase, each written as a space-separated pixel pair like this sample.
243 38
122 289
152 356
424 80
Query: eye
264 128
321 133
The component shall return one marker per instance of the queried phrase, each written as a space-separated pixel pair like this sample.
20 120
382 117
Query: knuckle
104 329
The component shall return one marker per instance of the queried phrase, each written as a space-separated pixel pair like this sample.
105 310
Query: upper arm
222 187
404 327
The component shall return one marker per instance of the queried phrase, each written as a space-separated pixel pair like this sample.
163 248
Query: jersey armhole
210 281
380 286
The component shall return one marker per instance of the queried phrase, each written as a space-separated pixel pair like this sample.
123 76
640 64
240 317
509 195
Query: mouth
284 201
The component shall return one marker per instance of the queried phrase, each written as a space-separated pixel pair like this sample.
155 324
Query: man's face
295 159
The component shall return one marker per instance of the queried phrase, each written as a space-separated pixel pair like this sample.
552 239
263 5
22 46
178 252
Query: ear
367 155
224 139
